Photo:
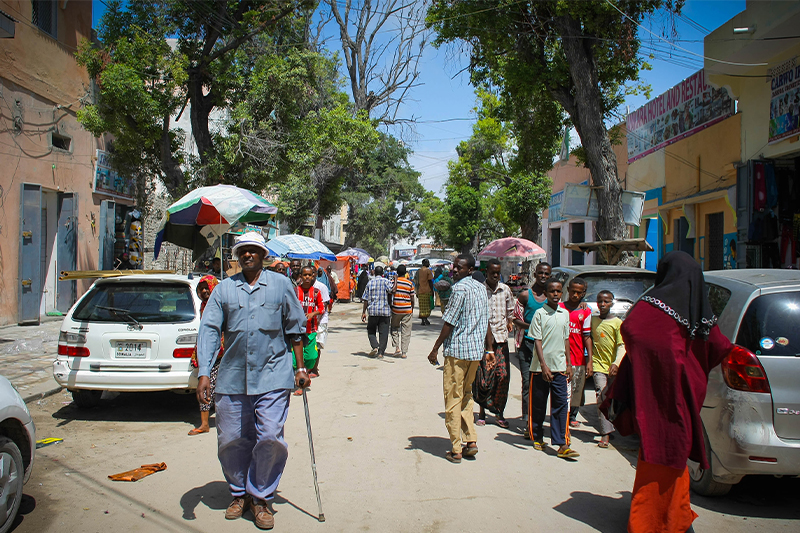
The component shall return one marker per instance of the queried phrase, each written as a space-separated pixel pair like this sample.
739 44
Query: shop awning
726 193
611 250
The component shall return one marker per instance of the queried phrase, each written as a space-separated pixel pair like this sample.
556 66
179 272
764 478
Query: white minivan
131 333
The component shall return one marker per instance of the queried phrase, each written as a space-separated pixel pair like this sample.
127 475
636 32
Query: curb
39 395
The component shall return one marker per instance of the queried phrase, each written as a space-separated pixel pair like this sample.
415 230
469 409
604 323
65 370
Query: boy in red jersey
580 345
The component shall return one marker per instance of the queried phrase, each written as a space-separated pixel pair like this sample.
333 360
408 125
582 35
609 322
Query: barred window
44 16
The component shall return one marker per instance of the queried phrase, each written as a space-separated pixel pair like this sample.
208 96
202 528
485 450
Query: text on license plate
130 349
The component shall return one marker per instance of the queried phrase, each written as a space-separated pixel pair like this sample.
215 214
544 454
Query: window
140 302
62 142
769 326
44 16
718 298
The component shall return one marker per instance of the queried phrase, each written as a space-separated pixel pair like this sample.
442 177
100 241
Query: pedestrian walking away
530 301
580 346
376 305
491 380
257 311
672 342
609 349
310 297
424 286
402 311
463 334
442 285
551 372
204 289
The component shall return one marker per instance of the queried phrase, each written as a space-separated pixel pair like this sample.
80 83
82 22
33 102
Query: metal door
716 238
66 249
578 235
106 236
30 249
555 247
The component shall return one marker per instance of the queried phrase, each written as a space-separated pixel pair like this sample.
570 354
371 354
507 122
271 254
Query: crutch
311 450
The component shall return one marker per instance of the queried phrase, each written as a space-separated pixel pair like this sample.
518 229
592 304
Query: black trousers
379 325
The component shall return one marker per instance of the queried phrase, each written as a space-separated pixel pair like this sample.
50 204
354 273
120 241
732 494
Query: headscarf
680 291
212 282
438 271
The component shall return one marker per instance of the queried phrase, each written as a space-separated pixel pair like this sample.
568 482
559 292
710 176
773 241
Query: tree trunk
199 111
530 227
585 108
175 181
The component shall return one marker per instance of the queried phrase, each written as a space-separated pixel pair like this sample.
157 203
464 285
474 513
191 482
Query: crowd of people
649 372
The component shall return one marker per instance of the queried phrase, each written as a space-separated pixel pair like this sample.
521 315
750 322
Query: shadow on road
758 497
436 446
216 496
137 407
26 506
602 513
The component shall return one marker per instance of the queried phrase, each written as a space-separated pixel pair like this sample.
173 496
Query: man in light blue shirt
258 311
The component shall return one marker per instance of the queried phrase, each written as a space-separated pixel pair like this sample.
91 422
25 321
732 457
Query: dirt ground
380 440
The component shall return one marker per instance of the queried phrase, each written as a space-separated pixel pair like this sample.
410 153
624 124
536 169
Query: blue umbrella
299 247
362 256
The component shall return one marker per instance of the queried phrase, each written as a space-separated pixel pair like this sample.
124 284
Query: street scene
399 266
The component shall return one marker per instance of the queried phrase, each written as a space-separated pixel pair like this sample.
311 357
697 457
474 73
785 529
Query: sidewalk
26 357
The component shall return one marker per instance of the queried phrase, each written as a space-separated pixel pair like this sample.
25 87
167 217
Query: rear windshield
626 287
770 325
143 302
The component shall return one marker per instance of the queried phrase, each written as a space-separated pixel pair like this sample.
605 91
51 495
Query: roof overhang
611 250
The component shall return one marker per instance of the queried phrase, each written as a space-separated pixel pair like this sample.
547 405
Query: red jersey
580 325
311 300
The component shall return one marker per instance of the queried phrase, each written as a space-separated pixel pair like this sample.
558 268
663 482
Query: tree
382 42
144 81
579 55
383 199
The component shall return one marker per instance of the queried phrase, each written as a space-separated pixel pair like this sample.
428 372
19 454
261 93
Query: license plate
130 349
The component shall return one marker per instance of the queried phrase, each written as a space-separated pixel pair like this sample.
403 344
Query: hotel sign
784 108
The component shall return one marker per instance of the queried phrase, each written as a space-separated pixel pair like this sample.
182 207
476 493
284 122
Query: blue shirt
256 321
377 294
530 309
468 313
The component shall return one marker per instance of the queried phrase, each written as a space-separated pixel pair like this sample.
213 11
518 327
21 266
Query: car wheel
86 398
12 477
702 481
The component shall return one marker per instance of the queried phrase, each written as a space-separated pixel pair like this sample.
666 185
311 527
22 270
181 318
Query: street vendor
257 310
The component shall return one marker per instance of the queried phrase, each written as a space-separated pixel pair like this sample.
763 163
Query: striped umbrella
299 247
198 219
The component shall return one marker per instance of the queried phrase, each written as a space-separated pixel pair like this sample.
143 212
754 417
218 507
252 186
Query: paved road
380 441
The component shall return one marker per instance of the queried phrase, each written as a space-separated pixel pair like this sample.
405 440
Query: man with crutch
259 314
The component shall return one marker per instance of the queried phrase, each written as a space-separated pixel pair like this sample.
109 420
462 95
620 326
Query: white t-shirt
326 297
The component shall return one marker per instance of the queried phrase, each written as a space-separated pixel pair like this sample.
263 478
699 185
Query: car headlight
187 339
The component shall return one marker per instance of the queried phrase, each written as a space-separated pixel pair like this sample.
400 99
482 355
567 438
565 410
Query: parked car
130 334
626 283
751 414
17 449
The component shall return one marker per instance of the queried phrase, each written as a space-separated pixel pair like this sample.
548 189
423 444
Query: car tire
12 479
86 399
702 481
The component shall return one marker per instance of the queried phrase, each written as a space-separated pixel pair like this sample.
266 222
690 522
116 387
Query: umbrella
361 255
299 247
198 219
383 259
512 247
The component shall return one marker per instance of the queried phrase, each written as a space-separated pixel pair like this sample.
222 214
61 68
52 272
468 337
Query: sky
443 103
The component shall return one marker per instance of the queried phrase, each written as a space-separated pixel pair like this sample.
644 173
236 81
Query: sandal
574 424
538 446
569 453
471 450
602 444
197 431
481 422
453 457
503 423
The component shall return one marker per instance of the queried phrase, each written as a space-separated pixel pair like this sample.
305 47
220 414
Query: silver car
751 414
626 283
17 450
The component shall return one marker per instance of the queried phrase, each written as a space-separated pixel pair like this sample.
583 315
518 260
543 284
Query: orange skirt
660 500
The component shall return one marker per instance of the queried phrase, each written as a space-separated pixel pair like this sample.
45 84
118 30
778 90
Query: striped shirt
468 313
377 294
501 307
401 303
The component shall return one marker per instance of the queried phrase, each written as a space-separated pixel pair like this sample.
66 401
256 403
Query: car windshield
139 302
769 327
625 287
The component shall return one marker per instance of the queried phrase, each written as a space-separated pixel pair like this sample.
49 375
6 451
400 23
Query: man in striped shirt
402 310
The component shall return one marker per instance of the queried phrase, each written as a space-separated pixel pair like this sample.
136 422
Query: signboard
580 201
404 252
554 213
107 181
784 108
683 110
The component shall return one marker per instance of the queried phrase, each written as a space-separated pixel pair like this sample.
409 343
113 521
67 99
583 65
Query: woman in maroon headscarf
672 342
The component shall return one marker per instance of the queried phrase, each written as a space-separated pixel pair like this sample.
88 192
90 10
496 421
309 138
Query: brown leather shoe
237 507
263 515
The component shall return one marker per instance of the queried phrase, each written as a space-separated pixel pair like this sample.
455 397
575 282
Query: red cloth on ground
662 380
660 500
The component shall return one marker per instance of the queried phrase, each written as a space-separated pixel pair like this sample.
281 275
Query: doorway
715 236
555 247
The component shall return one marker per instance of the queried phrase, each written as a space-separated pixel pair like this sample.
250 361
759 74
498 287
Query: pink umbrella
512 247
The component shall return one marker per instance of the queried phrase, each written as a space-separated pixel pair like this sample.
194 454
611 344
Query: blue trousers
559 407
250 443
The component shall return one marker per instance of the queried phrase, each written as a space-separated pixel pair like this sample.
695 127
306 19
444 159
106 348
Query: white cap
251 238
